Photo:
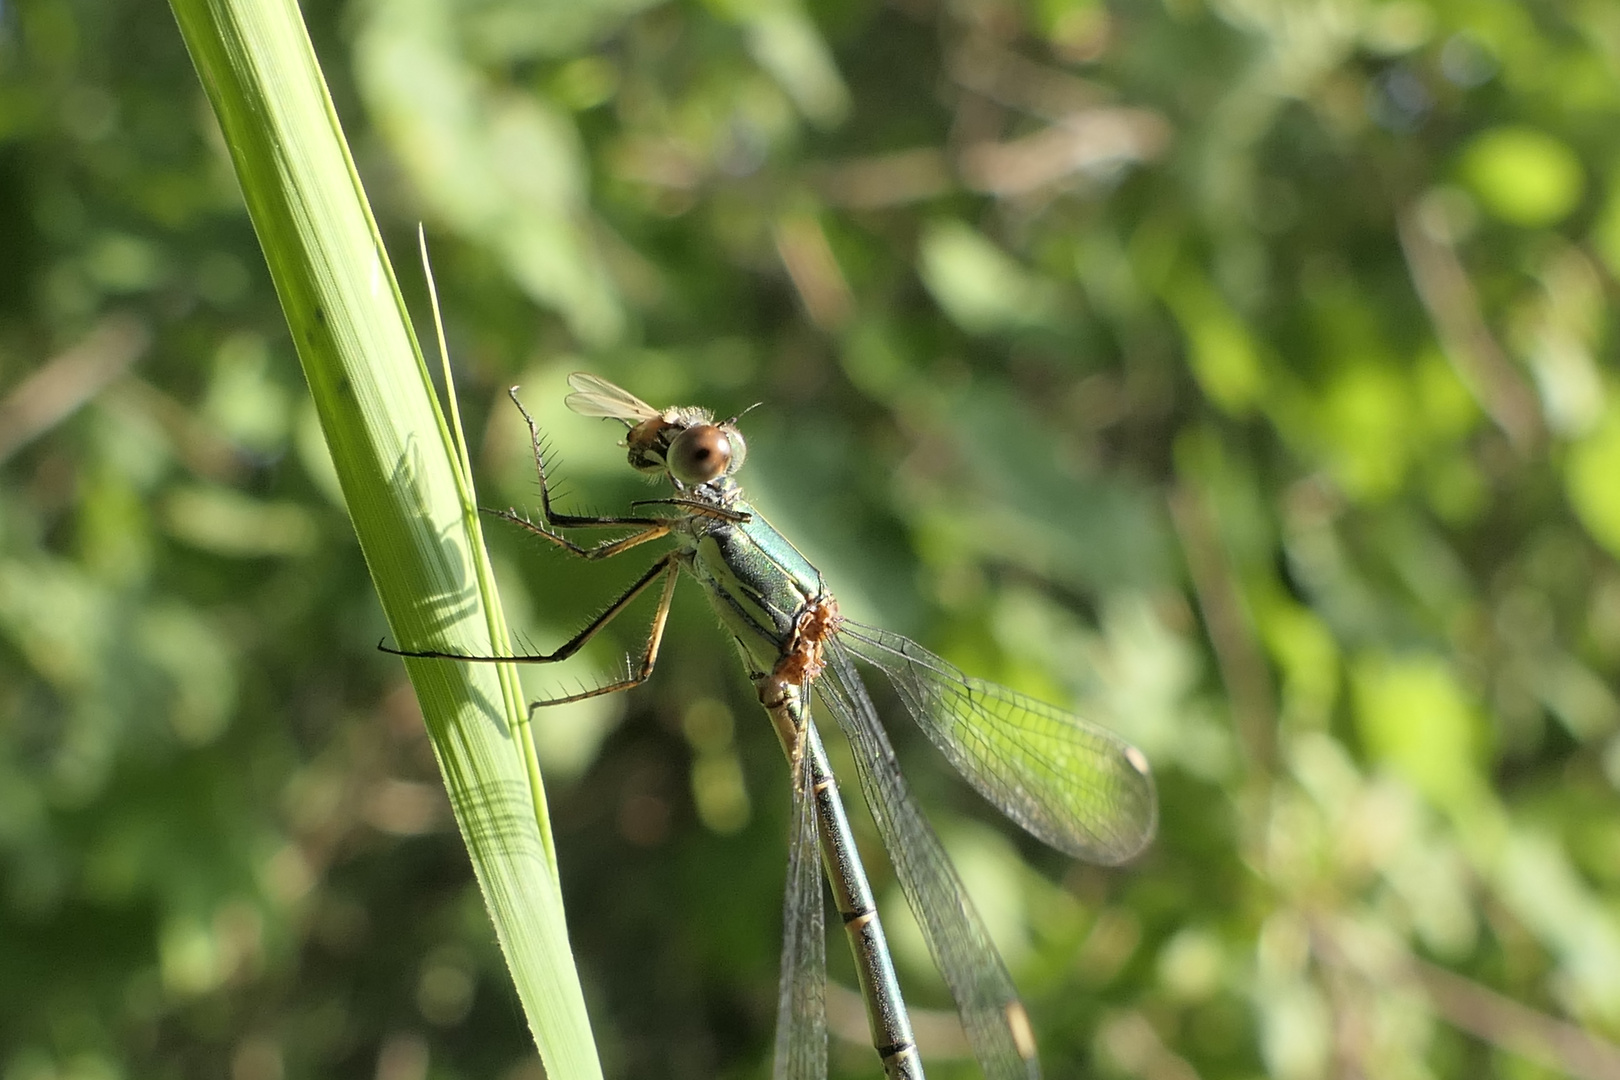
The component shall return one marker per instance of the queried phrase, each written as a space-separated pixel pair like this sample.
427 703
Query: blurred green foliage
1237 370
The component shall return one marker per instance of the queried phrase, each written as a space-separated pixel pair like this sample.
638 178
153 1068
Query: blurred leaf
1523 175
1224 356
1544 890
976 283
504 170
507 30
786 44
1414 717
56 617
243 399
1308 655
196 660
1367 418
1606 233
1594 463
227 523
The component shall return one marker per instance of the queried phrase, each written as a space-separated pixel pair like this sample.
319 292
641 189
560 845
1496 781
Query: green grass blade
499 642
403 478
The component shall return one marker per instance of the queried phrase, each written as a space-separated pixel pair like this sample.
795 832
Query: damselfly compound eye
699 454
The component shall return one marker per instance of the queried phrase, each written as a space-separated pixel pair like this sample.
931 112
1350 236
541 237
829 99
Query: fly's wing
594 396
994 1020
1078 787
801 1004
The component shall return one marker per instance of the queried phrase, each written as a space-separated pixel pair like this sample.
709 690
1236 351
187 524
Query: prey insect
1072 784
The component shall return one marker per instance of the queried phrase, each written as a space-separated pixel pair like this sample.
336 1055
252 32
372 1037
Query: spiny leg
667 566
719 513
655 638
652 528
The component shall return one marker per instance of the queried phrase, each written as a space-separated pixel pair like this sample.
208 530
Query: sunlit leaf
1523 175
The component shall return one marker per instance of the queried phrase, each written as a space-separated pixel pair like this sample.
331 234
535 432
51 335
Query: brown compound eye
699 454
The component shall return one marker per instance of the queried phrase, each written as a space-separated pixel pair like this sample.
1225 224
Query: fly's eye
699 454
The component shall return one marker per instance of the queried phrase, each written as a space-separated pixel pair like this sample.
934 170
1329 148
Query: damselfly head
683 443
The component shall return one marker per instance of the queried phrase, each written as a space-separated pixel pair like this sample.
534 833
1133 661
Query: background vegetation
1239 371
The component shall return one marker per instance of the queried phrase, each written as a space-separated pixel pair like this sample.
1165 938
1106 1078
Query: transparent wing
801 1007
1078 787
995 1022
594 396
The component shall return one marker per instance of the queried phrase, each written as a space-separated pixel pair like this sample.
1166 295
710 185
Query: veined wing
801 1005
595 396
992 1016
1078 787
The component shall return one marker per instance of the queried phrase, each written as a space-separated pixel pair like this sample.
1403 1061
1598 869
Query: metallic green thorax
756 580
768 595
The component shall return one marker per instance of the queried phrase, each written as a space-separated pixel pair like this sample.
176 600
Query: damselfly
1076 786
